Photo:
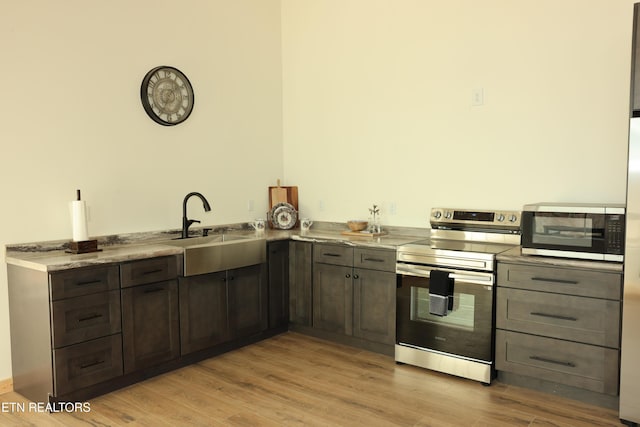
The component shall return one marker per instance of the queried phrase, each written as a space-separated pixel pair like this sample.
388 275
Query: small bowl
357 225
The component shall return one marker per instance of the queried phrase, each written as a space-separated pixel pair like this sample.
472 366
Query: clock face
167 95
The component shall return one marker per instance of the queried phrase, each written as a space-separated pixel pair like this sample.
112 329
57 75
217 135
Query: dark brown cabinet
278 264
354 292
203 311
85 327
65 330
333 298
560 325
150 313
374 305
223 306
300 282
247 301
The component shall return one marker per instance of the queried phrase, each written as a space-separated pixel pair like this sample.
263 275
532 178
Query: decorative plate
284 216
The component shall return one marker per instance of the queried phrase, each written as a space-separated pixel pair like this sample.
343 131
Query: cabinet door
300 279
150 325
203 311
374 305
247 299
278 253
333 298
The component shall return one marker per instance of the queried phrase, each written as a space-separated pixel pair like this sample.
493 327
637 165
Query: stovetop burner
464 239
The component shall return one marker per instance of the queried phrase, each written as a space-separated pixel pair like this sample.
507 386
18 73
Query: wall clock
167 95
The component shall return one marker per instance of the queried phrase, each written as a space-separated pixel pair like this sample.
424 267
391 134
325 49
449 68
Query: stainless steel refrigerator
630 346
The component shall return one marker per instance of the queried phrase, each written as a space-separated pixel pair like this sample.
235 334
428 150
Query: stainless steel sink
220 252
199 241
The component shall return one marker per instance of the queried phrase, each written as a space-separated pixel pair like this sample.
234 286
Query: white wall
377 99
71 117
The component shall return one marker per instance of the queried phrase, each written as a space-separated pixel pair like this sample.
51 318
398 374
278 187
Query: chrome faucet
186 223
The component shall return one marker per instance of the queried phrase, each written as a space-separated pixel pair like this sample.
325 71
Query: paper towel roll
79 221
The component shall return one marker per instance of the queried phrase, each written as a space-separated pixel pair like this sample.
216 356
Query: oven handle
416 270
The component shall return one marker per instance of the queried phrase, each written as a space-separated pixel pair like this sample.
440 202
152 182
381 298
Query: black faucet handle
205 231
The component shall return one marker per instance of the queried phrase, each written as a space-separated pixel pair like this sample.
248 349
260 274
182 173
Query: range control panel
449 218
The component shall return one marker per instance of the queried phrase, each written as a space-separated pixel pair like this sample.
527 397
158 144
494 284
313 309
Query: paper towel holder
83 246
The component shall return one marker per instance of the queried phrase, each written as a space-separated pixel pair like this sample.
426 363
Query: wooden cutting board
280 194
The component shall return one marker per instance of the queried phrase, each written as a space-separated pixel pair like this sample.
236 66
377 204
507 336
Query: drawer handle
89 365
146 273
555 362
150 291
90 317
554 316
331 254
91 282
561 281
374 259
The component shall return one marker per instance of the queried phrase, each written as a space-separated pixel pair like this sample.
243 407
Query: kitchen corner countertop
54 256
515 255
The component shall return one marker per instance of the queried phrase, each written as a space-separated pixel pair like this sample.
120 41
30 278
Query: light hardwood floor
296 380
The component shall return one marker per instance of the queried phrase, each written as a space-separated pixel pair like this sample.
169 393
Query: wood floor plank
297 380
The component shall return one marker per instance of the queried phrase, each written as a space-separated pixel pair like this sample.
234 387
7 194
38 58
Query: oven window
567 230
462 315
466 330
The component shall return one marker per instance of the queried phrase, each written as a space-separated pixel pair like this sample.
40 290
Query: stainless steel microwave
574 230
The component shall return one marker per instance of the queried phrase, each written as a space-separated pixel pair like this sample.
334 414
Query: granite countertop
54 256
515 255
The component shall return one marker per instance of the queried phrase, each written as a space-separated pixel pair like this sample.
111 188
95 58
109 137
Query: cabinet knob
347 275
355 276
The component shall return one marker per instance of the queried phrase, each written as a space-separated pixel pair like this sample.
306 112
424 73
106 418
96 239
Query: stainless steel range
445 295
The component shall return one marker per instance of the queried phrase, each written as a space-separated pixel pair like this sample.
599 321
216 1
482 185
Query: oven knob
447 215
513 218
437 214
500 217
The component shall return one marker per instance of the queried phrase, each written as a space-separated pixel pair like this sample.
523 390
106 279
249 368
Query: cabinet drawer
560 280
579 365
586 320
375 259
86 364
83 281
83 318
148 271
333 254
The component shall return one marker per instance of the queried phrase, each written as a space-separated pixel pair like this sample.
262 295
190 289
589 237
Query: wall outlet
477 97
321 205
250 205
393 208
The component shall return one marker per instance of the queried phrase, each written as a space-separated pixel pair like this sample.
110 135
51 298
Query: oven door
465 331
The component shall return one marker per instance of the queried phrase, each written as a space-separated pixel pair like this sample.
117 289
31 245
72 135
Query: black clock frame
145 101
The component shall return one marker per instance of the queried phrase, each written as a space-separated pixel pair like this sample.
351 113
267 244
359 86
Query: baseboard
6 386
